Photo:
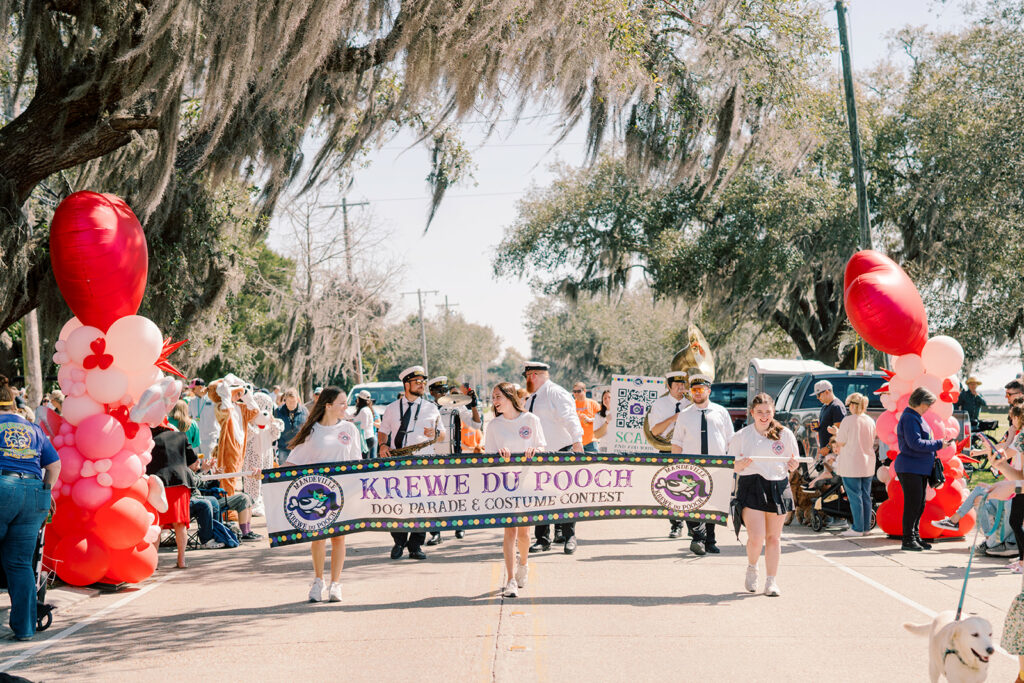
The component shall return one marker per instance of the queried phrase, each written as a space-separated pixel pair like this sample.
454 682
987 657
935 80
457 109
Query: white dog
959 650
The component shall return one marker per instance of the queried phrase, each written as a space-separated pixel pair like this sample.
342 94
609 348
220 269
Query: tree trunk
30 354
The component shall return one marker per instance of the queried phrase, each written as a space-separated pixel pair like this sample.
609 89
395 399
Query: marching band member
706 428
456 417
513 430
662 417
765 453
562 431
409 421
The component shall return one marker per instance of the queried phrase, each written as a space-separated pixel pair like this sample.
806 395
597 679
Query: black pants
412 541
914 487
1017 523
701 531
543 531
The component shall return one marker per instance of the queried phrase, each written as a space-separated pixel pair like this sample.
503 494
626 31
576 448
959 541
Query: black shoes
923 543
559 538
396 552
570 545
417 555
435 539
459 533
540 547
675 532
712 548
696 547
912 545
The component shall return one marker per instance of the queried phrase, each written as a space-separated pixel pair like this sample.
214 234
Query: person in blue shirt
25 500
294 415
913 465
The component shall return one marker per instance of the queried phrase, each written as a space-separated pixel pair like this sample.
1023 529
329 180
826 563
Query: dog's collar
951 651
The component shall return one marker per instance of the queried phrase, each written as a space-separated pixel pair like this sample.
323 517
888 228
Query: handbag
937 478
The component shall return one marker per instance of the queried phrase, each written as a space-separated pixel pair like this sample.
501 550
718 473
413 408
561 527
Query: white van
382 394
768 375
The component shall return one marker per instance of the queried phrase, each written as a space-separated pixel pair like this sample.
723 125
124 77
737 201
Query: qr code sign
631 406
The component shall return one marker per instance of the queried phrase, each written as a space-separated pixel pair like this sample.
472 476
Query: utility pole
347 236
423 328
447 308
851 116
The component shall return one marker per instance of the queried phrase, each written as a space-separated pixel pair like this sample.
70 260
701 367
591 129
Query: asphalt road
630 605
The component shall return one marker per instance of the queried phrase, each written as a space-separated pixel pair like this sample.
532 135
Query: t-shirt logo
16 441
344 438
777 447
525 432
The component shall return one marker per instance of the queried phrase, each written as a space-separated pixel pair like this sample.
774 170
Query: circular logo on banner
525 432
344 438
313 502
777 447
682 487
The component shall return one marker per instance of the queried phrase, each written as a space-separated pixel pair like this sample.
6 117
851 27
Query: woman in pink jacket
856 461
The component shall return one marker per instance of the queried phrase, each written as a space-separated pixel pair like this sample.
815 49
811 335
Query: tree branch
126 123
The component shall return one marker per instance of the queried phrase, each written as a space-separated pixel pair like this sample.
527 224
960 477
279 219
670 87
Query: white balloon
69 327
943 356
898 386
135 342
140 381
106 386
908 367
78 343
77 408
929 382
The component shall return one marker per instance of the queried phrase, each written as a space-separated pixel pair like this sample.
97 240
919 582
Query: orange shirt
587 407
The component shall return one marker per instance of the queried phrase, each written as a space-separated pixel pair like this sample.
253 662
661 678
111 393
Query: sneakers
750 582
771 589
316 591
511 589
522 572
947 524
251 536
850 533
334 593
212 544
1001 550
1015 567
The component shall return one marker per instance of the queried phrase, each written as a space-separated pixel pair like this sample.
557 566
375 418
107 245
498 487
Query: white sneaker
522 573
750 583
258 510
316 591
850 533
771 588
511 589
334 593
212 544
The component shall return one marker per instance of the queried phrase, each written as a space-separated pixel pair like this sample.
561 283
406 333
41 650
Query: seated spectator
181 420
993 519
237 502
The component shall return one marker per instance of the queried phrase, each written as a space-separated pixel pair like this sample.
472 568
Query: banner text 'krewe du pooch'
479 491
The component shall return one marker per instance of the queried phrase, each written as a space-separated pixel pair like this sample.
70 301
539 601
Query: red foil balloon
98 253
883 304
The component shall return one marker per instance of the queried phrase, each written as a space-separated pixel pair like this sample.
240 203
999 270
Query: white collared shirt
424 414
663 408
687 430
556 409
749 444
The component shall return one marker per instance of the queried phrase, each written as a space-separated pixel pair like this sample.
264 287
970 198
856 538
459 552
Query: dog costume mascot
264 430
235 408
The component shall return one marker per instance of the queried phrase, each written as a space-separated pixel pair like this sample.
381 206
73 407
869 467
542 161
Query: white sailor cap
534 365
698 378
676 375
412 372
437 380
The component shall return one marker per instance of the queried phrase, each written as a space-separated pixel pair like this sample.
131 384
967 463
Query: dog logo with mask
682 487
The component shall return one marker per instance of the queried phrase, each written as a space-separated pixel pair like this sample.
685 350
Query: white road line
930 613
71 630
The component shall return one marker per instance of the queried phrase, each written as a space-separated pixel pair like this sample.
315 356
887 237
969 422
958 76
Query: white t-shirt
337 443
604 444
516 435
364 418
749 444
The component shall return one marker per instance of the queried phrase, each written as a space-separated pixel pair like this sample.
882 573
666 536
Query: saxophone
409 450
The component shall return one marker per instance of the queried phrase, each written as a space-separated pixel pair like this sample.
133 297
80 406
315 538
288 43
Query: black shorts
757 493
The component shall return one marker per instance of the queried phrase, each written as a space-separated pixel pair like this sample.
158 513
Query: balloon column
105 522
885 308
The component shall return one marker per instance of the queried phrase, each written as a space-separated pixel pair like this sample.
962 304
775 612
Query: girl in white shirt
602 432
765 453
326 437
513 430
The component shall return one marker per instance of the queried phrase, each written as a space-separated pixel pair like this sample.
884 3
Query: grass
986 477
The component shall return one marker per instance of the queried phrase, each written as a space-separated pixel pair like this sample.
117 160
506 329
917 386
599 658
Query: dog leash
967 572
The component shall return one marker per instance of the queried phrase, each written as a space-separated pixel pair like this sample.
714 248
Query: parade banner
632 397
479 491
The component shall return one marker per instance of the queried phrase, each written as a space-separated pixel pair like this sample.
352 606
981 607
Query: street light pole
851 115
346 235
423 328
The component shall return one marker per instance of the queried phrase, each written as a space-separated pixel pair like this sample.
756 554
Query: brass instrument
409 450
696 358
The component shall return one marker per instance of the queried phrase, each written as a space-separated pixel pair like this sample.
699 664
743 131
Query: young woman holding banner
765 453
513 430
326 437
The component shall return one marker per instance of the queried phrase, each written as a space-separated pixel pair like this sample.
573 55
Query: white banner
632 397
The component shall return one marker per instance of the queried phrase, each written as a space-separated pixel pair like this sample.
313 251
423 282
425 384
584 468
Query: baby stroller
44 611
833 503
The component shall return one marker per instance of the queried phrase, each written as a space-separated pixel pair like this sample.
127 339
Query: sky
454 256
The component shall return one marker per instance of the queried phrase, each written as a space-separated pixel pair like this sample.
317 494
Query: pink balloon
135 342
141 442
885 427
943 356
937 425
78 408
79 341
122 523
99 437
883 305
125 469
942 409
929 382
888 401
898 386
88 494
902 402
945 454
106 386
952 427
69 327
70 464
908 366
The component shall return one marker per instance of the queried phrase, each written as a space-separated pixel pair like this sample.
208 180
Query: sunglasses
577 391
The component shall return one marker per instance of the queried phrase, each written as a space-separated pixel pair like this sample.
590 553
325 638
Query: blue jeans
590 447
858 490
24 504
203 508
